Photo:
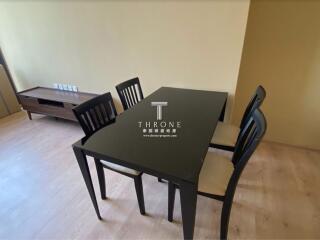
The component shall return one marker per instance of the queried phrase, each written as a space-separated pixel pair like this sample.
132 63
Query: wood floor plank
43 196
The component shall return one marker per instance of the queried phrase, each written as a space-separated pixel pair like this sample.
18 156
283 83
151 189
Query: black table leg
83 164
171 197
101 178
139 192
221 118
188 198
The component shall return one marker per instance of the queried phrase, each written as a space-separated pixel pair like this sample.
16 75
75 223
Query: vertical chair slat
94 118
130 93
84 122
131 96
88 121
104 113
135 93
98 114
126 98
130 104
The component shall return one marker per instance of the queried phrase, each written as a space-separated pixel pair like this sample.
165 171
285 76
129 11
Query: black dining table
171 146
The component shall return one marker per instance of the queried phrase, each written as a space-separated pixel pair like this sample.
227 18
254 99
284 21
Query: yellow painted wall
282 52
7 95
97 44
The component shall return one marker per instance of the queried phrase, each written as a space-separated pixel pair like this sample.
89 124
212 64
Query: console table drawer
69 105
52 111
28 101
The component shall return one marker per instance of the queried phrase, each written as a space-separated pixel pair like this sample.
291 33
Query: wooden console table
52 102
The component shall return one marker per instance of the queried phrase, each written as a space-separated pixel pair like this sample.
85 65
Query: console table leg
29 115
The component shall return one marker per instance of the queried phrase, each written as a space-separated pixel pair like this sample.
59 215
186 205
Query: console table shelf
52 102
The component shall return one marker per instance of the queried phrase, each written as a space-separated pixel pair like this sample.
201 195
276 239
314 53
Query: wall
95 45
282 52
8 101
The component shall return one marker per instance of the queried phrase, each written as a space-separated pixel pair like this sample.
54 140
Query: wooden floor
43 195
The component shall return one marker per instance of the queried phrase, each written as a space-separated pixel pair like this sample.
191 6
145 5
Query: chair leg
139 191
171 197
101 178
159 179
225 216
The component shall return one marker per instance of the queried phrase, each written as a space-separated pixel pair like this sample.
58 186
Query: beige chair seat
119 168
225 134
215 174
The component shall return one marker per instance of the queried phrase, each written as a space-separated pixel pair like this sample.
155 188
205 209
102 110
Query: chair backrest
249 137
96 113
248 141
130 93
255 102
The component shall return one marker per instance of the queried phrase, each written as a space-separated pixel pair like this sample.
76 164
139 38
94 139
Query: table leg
221 118
188 198
29 115
83 164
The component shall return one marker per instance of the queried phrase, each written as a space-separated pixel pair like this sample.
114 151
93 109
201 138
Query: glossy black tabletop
180 153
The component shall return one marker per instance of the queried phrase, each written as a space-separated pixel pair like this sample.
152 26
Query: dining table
166 135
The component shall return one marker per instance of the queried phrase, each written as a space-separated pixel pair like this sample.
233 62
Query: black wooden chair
94 115
130 93
219 176
225 135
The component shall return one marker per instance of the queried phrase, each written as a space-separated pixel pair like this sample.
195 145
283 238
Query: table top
179 154
57 95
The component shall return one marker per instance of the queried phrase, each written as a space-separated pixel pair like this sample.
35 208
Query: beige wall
8 101
282 52
95 45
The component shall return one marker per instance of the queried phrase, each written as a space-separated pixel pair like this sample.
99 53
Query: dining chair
219 176
130 92
225 135
93 115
